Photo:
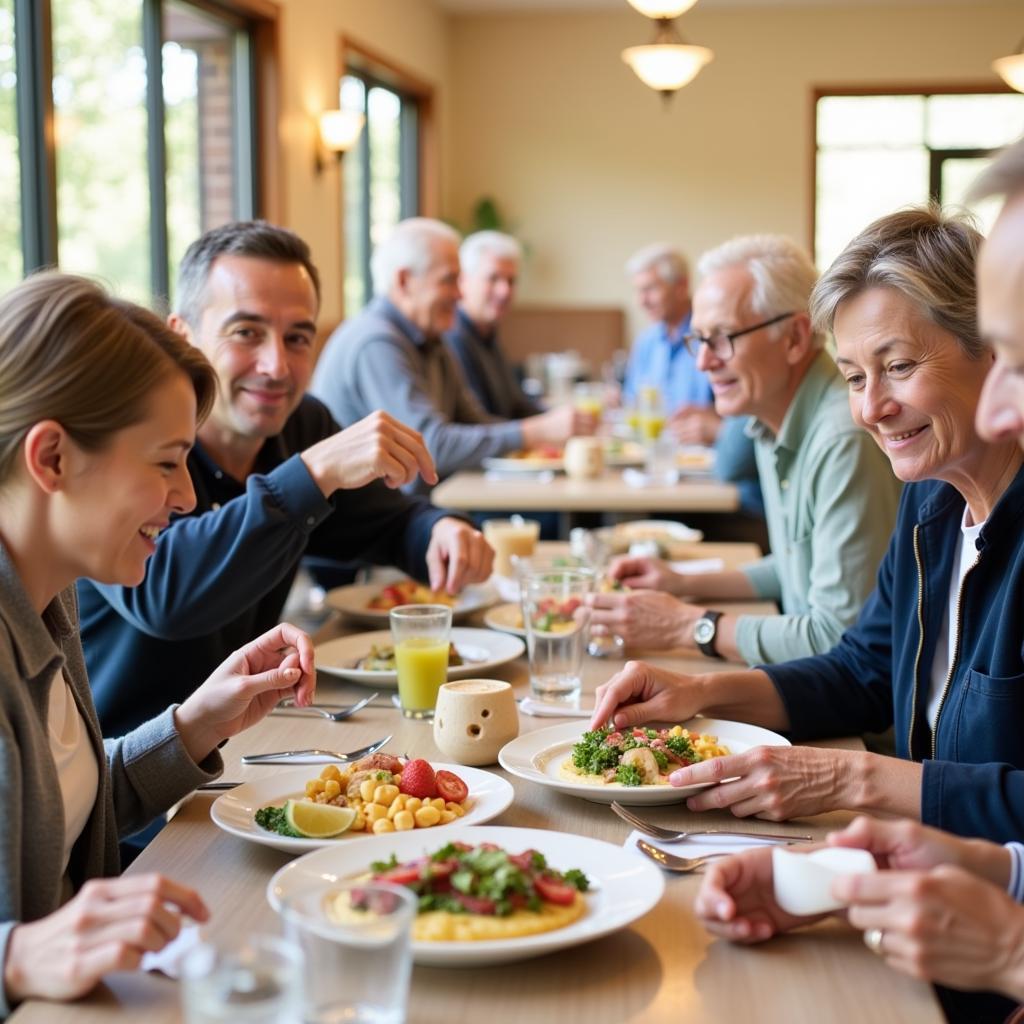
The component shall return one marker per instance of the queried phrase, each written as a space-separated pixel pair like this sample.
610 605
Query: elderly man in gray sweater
391 357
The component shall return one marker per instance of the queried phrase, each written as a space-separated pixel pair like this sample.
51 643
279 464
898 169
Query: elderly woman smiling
937 649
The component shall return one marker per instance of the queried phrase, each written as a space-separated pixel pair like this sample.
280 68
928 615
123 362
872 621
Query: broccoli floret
629 775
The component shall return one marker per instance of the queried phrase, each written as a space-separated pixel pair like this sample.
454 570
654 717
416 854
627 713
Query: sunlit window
381 176
878 153
10 177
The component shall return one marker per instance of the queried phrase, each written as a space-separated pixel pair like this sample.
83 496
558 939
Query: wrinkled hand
378 447
910 846
644 618
557 425
941 925
642 573
107 927
457 555
770 782
737 899
643 693
694 424
246 687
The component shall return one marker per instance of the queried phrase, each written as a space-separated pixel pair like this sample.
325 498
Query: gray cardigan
148 769
380 360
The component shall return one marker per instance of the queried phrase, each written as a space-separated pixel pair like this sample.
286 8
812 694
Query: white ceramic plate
536 756
624 886
506 618
628 453
352 600
481 649
664 531
234 810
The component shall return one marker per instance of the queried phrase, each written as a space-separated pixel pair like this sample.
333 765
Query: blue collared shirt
660 359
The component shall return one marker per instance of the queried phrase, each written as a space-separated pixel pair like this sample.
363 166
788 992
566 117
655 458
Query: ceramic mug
584 457
474 719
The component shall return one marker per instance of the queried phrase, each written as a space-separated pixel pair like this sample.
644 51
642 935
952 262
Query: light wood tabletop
664 968
608 493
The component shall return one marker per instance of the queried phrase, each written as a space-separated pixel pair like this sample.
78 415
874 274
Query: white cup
474 719
584 458
803 881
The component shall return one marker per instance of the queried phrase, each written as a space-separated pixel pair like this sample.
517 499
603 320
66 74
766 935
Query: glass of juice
588 397
651 414
421 634
508 537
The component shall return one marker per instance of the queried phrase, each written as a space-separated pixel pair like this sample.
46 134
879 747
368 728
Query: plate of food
628 765
506 618
293 810
494 895
370 657
370 603
617 454
693 460
673 540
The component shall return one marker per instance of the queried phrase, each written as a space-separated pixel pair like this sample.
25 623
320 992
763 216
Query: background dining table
663 968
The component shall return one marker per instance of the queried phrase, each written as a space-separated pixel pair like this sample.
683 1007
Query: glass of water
556 618
357 942
257 980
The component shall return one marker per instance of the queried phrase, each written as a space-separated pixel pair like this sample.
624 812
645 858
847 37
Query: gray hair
782 272
495 243
923 253
665 260
408 247
258 239
1003 177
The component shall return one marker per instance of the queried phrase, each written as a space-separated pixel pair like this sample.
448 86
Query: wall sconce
669 62
337 132
1011 69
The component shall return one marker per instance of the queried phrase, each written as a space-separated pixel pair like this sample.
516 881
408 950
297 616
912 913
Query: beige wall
413 34
588 166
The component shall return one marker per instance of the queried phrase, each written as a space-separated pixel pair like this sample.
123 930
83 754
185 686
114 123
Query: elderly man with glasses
830 496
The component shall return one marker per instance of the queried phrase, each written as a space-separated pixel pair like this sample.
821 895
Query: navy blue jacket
879 674
220 575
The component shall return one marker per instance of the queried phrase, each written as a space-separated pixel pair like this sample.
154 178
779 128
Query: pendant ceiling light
1010 69
669 62
662 8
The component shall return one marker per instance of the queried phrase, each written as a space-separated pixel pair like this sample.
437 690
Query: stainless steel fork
288 756
670 862
667 835
332 712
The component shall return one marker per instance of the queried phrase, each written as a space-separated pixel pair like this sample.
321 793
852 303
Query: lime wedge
318 821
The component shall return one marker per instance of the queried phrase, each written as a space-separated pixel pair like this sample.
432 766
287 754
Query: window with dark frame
153 108
383 175
876 152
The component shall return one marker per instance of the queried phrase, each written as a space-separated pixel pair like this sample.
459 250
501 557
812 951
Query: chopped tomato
450 787
406 874
475 904
523 861
554 891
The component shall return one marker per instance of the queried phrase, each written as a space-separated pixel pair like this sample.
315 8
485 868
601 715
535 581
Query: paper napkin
698 846
169 959
542 709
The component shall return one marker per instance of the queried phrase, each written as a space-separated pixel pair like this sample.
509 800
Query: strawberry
418 780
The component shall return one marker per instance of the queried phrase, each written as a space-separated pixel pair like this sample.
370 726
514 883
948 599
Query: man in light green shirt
830 496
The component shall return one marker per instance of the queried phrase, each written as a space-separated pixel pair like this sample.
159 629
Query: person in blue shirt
659 359
276 479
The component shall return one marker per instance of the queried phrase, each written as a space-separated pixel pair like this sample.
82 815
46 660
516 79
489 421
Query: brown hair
925 254
71 352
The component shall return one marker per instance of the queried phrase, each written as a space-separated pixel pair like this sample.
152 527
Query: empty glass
356 940
256 981
421 634
660 460
556 617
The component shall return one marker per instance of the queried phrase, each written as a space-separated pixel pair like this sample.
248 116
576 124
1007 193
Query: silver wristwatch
705 630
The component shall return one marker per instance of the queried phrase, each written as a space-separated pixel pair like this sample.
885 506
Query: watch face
704 631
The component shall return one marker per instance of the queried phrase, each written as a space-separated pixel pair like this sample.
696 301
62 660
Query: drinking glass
588 397
421 634
660 460
255 981
652 414
511 537
356 939
589 548
556 618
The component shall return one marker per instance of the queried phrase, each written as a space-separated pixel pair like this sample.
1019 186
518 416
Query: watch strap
707 648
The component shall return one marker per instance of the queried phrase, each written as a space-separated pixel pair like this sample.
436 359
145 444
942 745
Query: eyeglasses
722 343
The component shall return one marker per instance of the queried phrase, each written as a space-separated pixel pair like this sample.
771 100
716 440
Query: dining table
610 492
662 969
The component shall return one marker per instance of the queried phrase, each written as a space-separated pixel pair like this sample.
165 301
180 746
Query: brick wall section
216 156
